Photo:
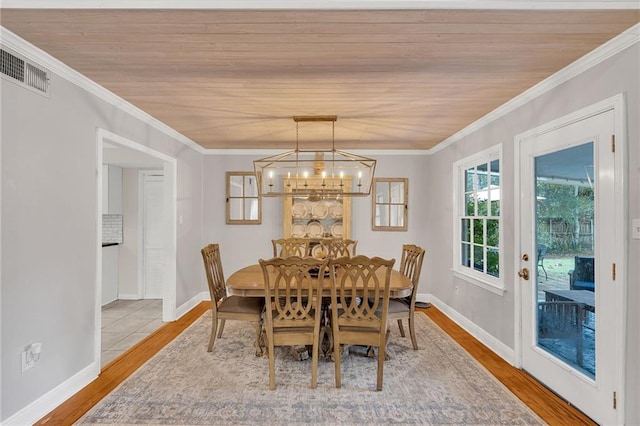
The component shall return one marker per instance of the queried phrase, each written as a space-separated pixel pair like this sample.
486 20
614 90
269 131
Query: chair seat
242 305
397 306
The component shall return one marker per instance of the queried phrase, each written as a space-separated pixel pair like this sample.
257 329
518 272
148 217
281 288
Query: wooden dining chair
225 307
338 247
359 306
404 308
285 247
293 294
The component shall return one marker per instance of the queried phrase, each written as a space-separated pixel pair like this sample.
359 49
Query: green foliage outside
567 206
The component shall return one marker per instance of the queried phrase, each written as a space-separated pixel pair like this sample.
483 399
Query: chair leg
381 356
214 326
272 363
314 361
221 328
336 358
401 327
258 343
412 332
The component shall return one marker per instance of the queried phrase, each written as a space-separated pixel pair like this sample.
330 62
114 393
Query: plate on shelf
336 229
335 210
298 230
319 210
299 210
318 252
314 229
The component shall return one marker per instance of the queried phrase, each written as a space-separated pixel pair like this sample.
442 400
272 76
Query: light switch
635 229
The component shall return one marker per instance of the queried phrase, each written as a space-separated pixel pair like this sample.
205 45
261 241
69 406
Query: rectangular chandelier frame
329 173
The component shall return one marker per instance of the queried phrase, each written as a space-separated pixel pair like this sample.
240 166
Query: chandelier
315 174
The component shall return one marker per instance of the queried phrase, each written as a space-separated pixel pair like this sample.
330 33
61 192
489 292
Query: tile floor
125 323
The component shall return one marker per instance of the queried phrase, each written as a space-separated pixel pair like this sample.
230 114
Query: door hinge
613 271
613 143
615 401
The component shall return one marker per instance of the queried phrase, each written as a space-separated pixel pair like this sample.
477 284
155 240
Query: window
243 200
477 228
389 204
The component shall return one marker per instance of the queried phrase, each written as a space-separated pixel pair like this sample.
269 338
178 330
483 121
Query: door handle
524 274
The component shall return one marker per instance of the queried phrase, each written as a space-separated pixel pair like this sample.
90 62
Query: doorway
570 192
135 306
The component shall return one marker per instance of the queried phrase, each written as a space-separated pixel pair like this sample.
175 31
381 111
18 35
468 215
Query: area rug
185 385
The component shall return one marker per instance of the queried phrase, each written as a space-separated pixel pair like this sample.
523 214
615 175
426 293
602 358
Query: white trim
33 53
56 396
618 105
170 187
480 279
588 61
191 303
326 4
97 312
495 345
268 152
128 296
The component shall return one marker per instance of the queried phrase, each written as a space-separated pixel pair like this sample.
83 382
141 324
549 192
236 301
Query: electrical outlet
30 355
27 362
635 229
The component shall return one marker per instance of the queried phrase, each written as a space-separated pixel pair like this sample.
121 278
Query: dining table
249 282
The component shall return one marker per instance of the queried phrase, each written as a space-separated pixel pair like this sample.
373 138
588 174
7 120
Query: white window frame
480 279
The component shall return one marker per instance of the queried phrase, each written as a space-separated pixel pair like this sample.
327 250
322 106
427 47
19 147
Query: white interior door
568 248
152 234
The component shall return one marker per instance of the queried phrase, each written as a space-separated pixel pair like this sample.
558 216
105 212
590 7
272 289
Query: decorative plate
314 229
299 210
319 210
318 252
298 230
336 210
336 229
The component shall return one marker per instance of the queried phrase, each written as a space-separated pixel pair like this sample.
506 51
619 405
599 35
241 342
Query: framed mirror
389 204
244 206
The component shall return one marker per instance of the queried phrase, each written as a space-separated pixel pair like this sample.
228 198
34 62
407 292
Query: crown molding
324 5
590 60
268 152
32 53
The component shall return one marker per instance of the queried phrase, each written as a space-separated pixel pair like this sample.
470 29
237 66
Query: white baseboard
191 303
125 296
56 396
502 350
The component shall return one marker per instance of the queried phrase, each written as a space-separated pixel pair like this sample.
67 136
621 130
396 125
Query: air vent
24 73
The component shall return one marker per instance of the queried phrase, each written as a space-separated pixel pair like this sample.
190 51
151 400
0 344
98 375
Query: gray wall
242 245
49 236
493 313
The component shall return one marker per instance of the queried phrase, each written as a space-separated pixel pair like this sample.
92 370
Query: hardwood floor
545 403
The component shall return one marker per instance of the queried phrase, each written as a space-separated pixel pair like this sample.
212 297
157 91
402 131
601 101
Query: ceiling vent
24 73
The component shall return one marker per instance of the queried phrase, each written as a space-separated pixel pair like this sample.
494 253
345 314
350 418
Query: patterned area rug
183 384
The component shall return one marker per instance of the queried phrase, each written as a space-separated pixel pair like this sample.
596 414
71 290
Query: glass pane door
565 263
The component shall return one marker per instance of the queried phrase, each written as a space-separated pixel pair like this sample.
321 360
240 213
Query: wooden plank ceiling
396 79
